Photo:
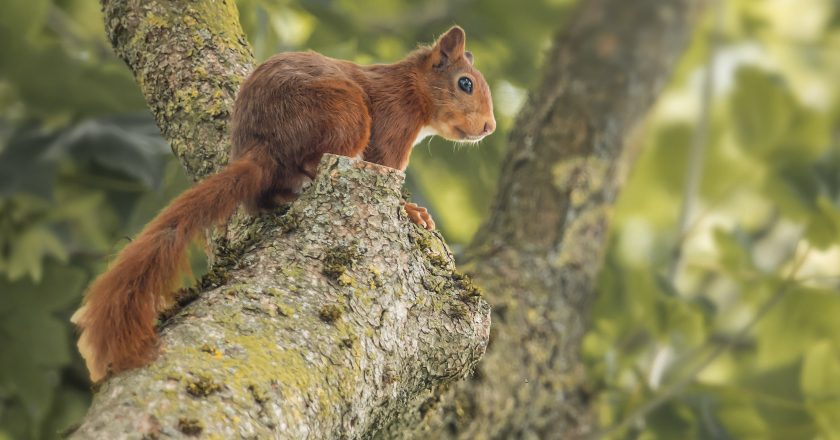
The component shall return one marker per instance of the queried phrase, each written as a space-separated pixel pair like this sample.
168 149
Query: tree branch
189 59
697 151
335 315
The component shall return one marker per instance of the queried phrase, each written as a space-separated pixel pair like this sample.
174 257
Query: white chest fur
424 133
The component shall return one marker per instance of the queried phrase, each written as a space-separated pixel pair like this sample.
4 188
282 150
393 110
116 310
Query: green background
741 340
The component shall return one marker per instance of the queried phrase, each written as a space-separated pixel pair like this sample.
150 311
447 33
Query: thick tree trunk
539 252
339 319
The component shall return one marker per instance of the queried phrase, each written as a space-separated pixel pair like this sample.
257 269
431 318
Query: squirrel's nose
489 127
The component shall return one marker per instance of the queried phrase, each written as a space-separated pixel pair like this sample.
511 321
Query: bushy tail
117 318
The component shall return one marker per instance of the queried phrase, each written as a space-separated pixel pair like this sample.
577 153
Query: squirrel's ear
450 46
469 56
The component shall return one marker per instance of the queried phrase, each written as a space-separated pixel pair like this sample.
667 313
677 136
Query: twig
699 141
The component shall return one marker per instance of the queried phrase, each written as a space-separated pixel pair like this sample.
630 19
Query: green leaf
827 415
149 204
769 393
802 316
29 251
682 324
824 228
733 250
820 371
673 420
39 68
23 18
798 188
70 407
670 150
23 167
34 342
762 109
131 145
81 218
59 288
743 422
15 421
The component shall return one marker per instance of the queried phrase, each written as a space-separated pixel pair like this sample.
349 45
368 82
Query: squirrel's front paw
419 215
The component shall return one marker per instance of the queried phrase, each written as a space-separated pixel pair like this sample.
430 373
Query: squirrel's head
462 109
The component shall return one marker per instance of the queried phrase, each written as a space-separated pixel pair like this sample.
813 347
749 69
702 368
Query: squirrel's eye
465 84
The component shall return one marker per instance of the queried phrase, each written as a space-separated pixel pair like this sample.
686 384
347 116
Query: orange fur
289 112
118 316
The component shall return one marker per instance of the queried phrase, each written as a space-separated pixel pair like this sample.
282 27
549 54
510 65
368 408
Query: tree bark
326 322
323 322
539 252
189 59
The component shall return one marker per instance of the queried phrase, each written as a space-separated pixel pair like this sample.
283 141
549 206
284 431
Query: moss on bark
188 59
258 356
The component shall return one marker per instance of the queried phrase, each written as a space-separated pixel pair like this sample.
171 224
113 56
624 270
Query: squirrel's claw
419 215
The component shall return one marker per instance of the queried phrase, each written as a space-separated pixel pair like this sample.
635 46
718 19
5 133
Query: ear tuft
452 43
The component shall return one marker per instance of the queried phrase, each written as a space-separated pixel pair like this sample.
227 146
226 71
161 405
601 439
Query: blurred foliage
742 340
741 343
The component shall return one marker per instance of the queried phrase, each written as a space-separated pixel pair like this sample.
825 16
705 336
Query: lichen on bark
285 348
188 59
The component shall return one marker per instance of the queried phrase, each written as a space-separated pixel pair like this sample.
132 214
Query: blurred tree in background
724 327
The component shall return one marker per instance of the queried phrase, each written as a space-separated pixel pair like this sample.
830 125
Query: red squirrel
289 112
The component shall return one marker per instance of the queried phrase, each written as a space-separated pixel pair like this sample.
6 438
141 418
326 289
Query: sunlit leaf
733 250
820 371
803 314
30 249
762 110
824 228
